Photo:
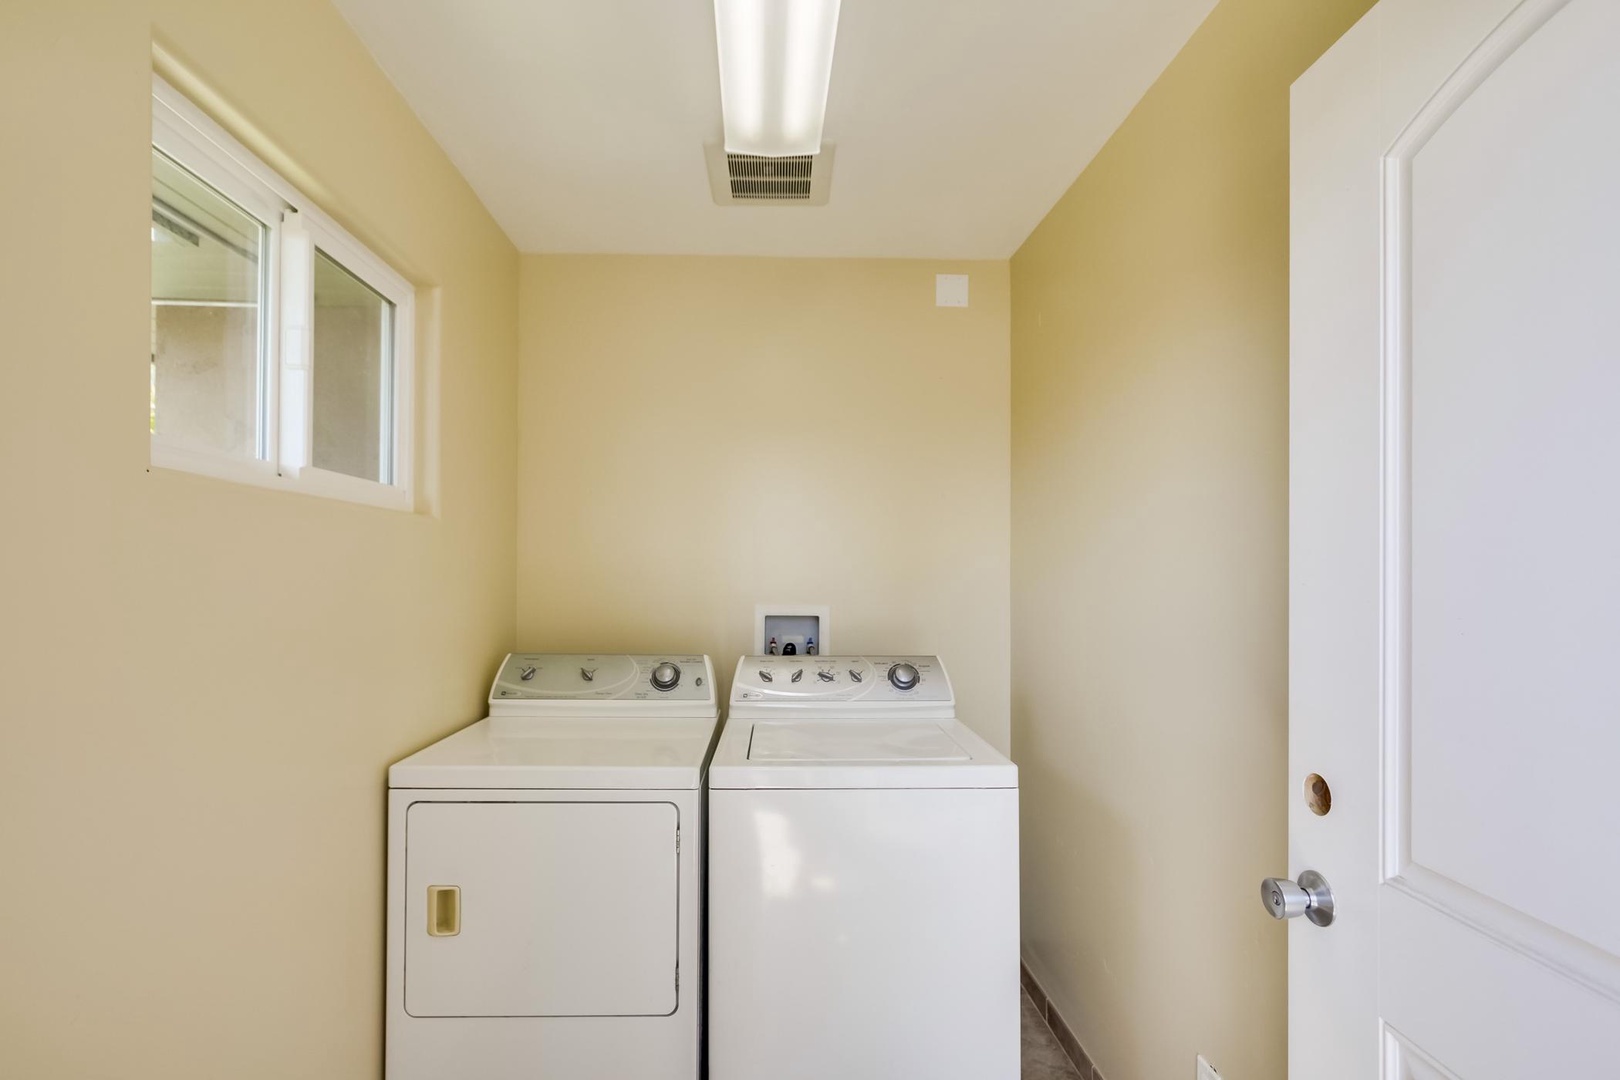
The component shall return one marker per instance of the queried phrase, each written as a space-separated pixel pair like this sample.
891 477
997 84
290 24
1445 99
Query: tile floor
1043 1058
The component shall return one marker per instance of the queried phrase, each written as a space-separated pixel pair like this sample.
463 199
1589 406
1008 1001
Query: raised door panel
1501 602
1514 467
566 909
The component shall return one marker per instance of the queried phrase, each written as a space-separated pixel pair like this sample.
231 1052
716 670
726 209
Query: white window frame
295 228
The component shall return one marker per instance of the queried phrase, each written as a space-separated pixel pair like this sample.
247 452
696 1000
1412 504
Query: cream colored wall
701 434
201 684
1150 465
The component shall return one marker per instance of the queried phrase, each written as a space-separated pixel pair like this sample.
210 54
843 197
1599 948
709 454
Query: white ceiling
958 123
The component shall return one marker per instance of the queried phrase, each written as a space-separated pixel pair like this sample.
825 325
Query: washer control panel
601 677
867 679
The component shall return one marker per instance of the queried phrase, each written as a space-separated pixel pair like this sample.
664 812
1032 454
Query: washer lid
852 741
638 754
925 753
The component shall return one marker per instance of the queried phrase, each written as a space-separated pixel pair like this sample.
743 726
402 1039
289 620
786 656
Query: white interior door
1455 543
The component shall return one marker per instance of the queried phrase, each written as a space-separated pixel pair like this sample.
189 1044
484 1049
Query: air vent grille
770 178
744 179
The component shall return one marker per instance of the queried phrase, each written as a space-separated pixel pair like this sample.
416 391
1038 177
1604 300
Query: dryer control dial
903 676
666 676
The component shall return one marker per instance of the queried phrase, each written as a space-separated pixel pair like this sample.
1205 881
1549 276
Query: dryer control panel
900 682
602 677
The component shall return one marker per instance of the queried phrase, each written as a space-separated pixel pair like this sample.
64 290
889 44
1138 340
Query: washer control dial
903 676
666 676
825 676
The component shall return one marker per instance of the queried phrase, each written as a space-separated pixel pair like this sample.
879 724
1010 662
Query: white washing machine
863 878
545 878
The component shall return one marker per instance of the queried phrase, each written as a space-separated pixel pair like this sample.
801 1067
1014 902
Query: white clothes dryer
545 883
863 878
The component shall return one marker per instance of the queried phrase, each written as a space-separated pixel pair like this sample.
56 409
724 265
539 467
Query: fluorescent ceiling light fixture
775 63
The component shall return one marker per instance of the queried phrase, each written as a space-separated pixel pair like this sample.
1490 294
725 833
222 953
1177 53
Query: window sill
255 473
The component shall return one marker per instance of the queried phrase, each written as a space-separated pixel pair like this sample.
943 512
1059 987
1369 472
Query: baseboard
1060 1027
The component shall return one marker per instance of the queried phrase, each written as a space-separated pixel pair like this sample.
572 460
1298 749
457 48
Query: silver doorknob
1309 896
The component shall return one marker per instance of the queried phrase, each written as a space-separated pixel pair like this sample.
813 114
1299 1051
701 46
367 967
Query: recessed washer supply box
807 627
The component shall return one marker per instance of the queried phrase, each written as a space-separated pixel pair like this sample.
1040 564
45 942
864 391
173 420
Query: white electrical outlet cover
950 290
1206 1071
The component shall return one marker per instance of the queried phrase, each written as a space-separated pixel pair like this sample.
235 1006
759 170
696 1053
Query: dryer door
559 909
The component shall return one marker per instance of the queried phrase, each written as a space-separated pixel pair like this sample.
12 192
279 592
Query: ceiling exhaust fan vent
770 178
749 180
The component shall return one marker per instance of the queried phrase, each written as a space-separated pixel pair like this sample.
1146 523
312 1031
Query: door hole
1318 796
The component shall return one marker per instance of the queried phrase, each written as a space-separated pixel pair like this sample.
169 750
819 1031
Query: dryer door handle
443 910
